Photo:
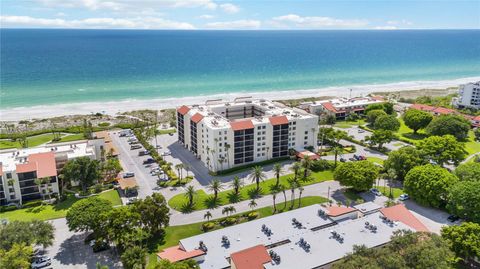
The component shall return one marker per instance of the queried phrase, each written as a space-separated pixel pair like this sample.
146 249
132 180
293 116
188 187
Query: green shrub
104 124
7 208
320 165
32 204
252 215
228 221
208 226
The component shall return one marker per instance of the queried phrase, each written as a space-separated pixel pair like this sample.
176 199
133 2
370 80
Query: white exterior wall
469 93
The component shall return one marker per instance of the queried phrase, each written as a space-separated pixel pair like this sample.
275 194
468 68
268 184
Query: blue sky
264 14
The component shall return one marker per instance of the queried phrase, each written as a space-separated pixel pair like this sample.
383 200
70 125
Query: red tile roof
401 213
444 111
278 120
251 258
477 118
311 155
46 165
183 110
241 125
422 107
197 117
335 211
176 254
378 98
329 106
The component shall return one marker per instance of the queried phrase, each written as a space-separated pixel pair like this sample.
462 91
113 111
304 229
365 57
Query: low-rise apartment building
309 237
228 134
19 168
342 107
469 96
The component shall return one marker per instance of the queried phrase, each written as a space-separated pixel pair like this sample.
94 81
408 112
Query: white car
131 200
361 131
403 197
41 263
166 153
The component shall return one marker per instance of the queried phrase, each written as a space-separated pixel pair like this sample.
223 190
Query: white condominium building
469 96
228 134
19 168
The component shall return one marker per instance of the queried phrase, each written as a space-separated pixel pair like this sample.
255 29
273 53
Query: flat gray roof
367 207
250 234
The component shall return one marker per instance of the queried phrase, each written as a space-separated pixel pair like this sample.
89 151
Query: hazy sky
264 14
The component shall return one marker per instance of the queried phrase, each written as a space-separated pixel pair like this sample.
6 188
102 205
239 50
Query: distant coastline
114 107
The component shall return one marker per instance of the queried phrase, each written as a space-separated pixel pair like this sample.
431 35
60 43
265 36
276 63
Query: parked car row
358 158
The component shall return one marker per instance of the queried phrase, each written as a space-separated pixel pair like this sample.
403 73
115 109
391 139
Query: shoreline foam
113 107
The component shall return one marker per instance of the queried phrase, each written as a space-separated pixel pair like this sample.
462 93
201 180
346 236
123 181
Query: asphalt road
70 252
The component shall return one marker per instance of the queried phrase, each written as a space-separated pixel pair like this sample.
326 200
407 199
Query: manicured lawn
408 134
168 131
46 212
72 137
174 233
472 146
386 191
375 160
112 196
33 141
204 201
349 124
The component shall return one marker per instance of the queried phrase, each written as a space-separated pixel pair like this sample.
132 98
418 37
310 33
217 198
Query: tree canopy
372 115
406 250
82 170
84 215
388 122
188 264
417 119
30 233
464 239
442 149
429 184
359 175
454 125
153 212
468 171
403 160
380 137
17 257
464 200
387 107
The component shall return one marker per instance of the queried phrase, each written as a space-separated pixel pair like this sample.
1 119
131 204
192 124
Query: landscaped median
174 233
47 212
203 201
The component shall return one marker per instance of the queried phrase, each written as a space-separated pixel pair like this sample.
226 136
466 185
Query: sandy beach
112 108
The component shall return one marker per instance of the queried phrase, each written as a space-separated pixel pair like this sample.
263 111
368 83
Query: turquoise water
47 67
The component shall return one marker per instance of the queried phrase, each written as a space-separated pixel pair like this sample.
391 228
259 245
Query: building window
9 175
264 127
306 132
306 137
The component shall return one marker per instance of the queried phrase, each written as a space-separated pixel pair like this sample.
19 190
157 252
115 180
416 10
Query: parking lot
132 162
360 134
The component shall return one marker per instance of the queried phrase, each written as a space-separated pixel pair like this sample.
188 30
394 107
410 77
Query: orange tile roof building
21 167
228 134
342 107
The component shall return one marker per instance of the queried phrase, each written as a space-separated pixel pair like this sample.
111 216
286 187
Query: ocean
58 67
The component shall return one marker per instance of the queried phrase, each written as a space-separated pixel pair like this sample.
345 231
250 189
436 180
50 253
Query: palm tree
296 169
336 150
292 184
300 191
257 175
273 192
187 168
236 185
190 194
215 186
207 216
179 168
39 183
220 161
392 174
277 169
227 148
306 164
252 204
228 210
283 189
45 181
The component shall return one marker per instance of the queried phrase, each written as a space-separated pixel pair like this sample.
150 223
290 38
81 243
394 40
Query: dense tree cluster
403 160
464 239
429 184
468 171
442 149
454 125
17 239
359 175
372 115
464 200
406 250
387 123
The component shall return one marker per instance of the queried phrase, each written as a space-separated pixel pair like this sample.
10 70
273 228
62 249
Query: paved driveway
360 134
70 252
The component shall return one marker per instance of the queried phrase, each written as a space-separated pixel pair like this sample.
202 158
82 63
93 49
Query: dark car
98 245
143 152
149 161
343 160
135 147
453 218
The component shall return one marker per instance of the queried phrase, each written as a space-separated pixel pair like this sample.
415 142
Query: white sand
22 113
